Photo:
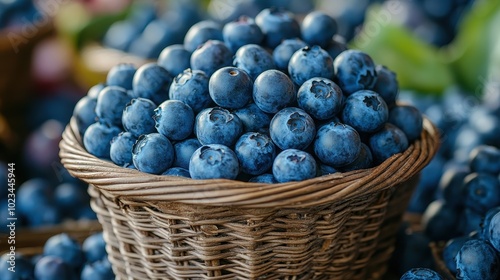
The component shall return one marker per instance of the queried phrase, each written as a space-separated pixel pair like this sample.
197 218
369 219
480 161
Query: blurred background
446 55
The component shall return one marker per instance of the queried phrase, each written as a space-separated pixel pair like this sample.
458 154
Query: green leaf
418 65
470 54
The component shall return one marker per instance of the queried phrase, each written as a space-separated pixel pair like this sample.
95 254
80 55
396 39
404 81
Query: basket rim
134 185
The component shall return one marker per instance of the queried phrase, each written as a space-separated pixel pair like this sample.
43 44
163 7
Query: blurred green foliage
469 61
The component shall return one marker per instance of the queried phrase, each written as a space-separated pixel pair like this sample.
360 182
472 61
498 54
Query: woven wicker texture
340 226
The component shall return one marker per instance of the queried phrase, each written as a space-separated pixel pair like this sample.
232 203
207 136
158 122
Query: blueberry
253 59
408 119
211 56
428 183
184 150
386 85
86 213
325 169
4 179
153 153
177 171
241 32
310 62
218 126
225 12
366 111
487 125
151 81
294 165
450 251
477 259
230 87
273 90
255 152
142 14
94 247
388 141
462 144
94 90
84 113
292 128
121 34
336 46
253 118
284 51
470 221
110 104
494 231
363 161
23 268
201 32
138 115
174 119
485 159
70 197
121 75
97 139
440 221
485 223
355 70
421 274
46 215
482 192
318 28
175 59
120 150
143 47
321 98
214 161
53 268
277 25
159 34
33 193
99 270
451 185
191 87
337 144
65 247
266 178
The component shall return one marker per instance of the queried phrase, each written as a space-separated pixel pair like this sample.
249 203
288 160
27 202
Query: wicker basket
340 226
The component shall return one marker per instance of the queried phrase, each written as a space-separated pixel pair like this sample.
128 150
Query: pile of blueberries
63 258
466 219
150 27
40 203
17 12
453 196
46 194
146 31
265 99
470 212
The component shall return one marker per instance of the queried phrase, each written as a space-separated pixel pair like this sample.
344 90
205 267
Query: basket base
176 241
